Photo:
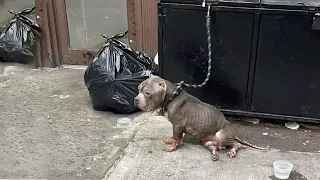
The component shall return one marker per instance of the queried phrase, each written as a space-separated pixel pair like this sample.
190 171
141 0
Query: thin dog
189 115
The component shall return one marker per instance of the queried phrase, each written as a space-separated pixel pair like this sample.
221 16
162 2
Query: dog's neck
170 89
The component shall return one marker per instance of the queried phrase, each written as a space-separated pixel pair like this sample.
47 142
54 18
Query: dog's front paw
170 148
171 141
168 140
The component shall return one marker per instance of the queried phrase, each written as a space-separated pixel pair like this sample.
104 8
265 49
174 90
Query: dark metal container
265 55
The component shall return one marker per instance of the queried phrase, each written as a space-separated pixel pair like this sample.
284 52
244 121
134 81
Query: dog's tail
248 144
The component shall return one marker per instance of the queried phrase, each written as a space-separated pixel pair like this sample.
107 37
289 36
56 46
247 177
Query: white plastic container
124 123
282 169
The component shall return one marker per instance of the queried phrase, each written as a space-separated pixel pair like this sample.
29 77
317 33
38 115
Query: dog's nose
136 101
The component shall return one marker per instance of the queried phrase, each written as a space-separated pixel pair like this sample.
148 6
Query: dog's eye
147 93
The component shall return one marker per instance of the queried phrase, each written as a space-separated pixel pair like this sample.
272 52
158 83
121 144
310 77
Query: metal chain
182 84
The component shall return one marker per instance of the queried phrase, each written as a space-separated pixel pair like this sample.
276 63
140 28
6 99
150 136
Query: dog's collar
167 100
163 108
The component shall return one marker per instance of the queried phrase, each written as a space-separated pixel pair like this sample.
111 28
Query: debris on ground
292 125
265 134
253 121
305 143
310 126
61 96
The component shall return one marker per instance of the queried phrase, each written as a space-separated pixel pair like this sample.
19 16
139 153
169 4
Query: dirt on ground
274 134
277 136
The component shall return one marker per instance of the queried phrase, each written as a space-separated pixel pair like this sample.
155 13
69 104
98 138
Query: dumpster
265 55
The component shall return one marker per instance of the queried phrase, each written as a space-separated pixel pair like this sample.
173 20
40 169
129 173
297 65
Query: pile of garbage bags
18 39
114 75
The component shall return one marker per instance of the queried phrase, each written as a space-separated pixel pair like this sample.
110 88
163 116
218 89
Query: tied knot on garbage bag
114 75
19 36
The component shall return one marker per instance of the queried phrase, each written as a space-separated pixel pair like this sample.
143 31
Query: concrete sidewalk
48 130
145 160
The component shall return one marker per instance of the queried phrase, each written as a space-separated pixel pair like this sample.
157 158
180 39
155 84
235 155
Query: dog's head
152 92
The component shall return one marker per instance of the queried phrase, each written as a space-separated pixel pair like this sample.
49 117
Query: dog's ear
163 85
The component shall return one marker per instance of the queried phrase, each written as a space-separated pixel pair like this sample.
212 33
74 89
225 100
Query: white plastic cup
124 123
282 169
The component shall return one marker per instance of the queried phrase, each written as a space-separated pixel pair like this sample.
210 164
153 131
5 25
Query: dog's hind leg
233 151
225 137
212 145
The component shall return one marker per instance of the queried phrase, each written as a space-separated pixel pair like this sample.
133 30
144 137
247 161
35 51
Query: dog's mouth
142 108
147 106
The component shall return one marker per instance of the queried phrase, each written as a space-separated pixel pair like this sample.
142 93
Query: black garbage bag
18 39
114 75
